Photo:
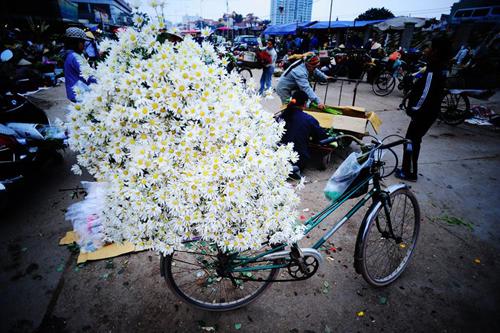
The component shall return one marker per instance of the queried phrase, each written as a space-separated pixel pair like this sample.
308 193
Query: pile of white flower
186 149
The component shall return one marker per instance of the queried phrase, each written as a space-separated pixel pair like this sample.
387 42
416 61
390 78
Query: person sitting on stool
300 127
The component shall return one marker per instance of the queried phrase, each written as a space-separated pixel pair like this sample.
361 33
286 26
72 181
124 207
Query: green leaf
382 300
237 326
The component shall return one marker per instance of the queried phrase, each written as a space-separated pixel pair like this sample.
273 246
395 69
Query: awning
286 29
341 24
224 28
398 23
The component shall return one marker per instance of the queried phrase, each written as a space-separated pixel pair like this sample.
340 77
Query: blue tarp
286 29
341 24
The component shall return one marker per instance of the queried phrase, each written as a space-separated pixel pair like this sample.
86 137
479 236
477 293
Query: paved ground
450 286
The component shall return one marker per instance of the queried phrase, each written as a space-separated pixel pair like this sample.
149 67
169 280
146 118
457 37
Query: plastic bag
85 216
344 176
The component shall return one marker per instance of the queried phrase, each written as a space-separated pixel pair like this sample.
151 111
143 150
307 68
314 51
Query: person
289 44
91 49
268 70
314 43
298 43
300 127
296 77
368 44
74 44
424 104
462 55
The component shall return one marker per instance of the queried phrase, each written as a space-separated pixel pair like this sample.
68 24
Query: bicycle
209 278
402 78
241 68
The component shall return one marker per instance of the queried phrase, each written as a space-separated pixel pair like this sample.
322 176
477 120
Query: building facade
290 11
106 12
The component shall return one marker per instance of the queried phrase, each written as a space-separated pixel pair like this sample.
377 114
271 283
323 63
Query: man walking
268 70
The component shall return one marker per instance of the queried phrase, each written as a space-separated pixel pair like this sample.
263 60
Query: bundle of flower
185 149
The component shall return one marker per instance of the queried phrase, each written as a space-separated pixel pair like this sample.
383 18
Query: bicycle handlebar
380 145
338 137
393 144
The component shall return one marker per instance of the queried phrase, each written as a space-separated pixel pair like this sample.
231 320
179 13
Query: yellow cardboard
325 119
69 238
108 251
350 124
375 121
341 123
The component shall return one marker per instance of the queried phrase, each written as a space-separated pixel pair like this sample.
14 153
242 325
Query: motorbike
27 140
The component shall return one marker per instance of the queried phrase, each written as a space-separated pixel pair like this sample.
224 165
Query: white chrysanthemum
186 149
205 32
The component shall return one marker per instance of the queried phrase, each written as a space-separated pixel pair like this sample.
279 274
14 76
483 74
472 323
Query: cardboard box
353 120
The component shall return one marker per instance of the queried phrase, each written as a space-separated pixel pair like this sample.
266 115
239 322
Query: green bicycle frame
312 223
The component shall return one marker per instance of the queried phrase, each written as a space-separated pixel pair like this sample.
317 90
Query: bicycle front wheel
246 75
199 275
385 245
383 84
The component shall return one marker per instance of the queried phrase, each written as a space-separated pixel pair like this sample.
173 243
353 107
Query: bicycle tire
373 230
180 291
246 74
383 84
454 109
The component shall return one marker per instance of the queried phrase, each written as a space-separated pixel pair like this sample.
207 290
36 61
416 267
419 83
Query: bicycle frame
312 223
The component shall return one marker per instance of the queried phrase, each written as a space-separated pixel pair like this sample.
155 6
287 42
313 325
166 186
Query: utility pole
329 25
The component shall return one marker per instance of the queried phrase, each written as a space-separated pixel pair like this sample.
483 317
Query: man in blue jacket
296 77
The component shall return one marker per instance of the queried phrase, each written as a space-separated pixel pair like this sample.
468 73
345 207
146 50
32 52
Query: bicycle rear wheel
382 255
198 275
383 84
454 108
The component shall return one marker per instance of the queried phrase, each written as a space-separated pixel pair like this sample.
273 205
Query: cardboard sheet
341 123
108 251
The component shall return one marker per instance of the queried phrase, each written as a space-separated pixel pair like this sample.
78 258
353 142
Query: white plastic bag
85 216
344 176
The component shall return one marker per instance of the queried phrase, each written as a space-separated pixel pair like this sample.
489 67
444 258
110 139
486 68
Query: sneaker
401 175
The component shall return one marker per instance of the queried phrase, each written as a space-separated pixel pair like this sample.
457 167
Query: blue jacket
72 74
296 77
300 127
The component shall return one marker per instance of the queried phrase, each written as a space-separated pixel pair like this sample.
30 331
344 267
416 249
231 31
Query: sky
343 9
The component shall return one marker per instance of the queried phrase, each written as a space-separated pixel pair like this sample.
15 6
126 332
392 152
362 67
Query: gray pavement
450 286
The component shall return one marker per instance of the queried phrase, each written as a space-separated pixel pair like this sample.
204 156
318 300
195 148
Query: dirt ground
451 285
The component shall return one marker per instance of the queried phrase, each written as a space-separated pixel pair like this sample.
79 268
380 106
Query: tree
238 18
375 14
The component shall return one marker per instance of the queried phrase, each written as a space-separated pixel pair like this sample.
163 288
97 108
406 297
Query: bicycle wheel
383 84
198 275
246 75
383 255
454 108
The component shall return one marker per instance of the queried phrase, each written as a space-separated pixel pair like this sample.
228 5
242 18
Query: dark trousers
416 131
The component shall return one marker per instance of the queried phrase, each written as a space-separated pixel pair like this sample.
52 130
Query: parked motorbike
27 140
